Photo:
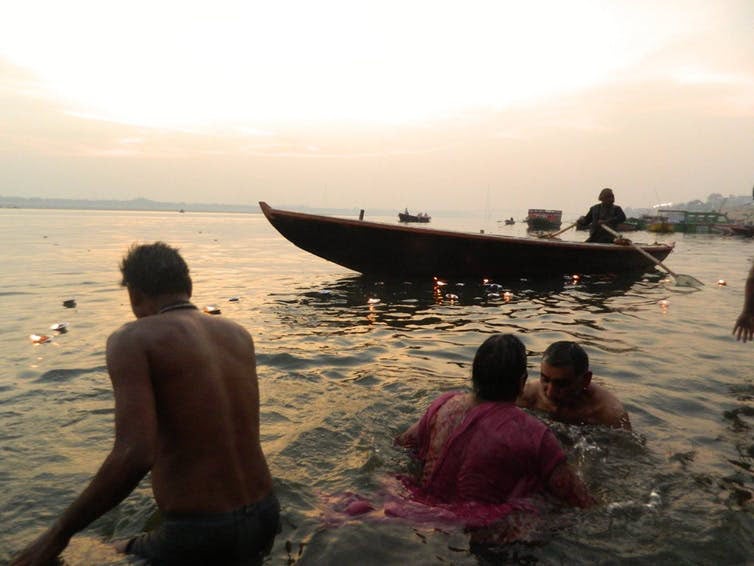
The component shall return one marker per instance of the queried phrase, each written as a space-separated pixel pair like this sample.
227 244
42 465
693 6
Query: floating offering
664 304
69 303
576 277
373 301
440 283
234 299
40 338
211 309
507 296
721 283
59 327
451 297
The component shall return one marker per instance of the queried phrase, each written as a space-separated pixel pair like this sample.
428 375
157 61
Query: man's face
607 197
561 385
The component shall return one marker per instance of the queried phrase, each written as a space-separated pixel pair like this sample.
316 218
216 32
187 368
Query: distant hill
146 204
134 204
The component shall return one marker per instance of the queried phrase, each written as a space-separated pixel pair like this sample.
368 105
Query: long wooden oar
681 279
559 232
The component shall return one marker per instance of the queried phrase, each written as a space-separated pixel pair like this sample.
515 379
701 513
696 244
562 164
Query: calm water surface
341 375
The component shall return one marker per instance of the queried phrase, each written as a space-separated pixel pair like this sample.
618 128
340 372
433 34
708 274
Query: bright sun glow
194 64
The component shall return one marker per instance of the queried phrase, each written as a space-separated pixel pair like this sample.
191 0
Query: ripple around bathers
212 538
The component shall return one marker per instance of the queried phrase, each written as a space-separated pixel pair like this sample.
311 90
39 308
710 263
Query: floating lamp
69 303
664 304
211 309
39 338
721 283
373 301
59 327
507 296
234 299
451 297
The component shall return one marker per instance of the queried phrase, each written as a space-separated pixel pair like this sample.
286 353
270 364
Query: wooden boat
407 217
542 219
393 250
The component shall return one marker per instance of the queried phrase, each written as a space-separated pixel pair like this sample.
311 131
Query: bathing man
606 212
186 409
565 390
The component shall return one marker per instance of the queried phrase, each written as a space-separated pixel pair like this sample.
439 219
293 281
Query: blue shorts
243 536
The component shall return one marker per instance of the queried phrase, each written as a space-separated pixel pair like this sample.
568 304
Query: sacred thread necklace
176 306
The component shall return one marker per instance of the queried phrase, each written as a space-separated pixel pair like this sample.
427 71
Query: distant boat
688 222
543 219
405 216
509 222
392 250
658 224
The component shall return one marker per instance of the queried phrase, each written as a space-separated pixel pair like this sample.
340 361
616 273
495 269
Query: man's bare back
202 376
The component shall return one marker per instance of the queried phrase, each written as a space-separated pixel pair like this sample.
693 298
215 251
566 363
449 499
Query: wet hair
498 366
567 354
155 269
604 192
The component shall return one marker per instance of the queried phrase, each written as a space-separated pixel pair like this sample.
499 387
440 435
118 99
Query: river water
347 362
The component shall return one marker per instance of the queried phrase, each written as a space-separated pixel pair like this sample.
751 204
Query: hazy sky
425 104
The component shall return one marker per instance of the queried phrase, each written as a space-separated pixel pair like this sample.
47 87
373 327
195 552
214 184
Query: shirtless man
186 409
565 390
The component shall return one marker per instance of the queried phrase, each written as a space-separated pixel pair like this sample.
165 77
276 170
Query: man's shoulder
529 395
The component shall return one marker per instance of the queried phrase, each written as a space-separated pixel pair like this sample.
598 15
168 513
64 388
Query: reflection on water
347 362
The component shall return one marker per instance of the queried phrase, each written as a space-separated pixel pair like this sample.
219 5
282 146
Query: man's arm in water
130 458
744 328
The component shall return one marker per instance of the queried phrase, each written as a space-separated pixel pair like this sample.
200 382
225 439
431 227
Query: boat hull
374 248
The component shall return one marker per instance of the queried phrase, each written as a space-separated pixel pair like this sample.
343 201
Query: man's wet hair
566 354
604 192
498 366
155 269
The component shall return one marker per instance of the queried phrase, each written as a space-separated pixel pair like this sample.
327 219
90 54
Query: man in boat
606 212
186 409
482 457
565 390
744 328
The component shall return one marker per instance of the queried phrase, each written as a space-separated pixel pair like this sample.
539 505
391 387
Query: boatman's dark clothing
609 214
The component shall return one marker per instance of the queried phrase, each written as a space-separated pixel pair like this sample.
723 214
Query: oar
559 232
681 279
